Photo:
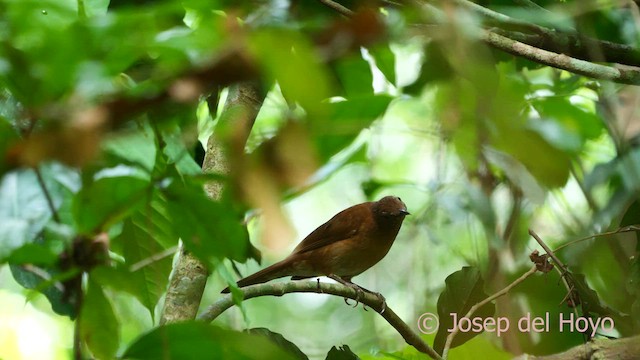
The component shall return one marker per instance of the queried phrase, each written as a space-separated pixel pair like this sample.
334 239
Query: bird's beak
404 212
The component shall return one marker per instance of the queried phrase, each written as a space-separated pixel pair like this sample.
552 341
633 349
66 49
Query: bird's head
390 207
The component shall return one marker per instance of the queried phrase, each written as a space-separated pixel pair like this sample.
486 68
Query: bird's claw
318 285
383 303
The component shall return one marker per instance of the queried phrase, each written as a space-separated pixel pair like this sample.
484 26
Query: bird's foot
359 295
359 290
383 302
318 285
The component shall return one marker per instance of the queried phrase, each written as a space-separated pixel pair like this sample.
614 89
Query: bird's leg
359 291
380 297
318 285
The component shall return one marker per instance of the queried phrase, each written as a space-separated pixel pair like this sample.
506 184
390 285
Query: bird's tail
274 271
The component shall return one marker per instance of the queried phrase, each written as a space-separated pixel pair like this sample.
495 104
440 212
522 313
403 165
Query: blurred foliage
102 104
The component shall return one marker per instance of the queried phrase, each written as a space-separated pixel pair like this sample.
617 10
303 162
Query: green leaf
36 254
565 125
518 174
177 152
341 353
24 210
385 61
147 234
347 120
108 200
435 67
354 74
633 287
291 60
479 345
280 341
197 340
29 280
99 326
135 148
207 228
550 166
463 289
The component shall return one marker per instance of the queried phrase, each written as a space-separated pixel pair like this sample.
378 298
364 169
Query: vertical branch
189 276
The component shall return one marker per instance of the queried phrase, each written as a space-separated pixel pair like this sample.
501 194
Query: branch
190 275
551 254
47 194
624 229
577 46
337 7
569 42
621 349
561 61
279 289
475 307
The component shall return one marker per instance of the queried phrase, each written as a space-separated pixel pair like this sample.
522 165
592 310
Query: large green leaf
280 341
341 353
197 340
99 326
207 228
108 200
354 75
24 210
347 119
289 58
385 61
570 119
177 153
463 289
548 164
148 233
135 147
29 280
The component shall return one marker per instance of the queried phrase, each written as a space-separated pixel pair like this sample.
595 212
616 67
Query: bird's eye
398 198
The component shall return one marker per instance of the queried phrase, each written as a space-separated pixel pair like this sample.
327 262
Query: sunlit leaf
354 75
289 58
385 61
136 147
24 210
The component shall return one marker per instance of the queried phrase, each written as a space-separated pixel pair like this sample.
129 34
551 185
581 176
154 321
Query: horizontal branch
621 349
561 61
568 42
281 288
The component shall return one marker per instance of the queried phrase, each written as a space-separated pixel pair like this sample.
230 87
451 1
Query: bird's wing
344 225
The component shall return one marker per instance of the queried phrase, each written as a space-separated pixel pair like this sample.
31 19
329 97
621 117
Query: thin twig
551 254
613 232
629 76
625 54
153 258
560 267
47 195
475 307
337 7
530 4
281 288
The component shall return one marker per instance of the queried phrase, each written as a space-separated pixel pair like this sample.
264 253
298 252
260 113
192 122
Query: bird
348 244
